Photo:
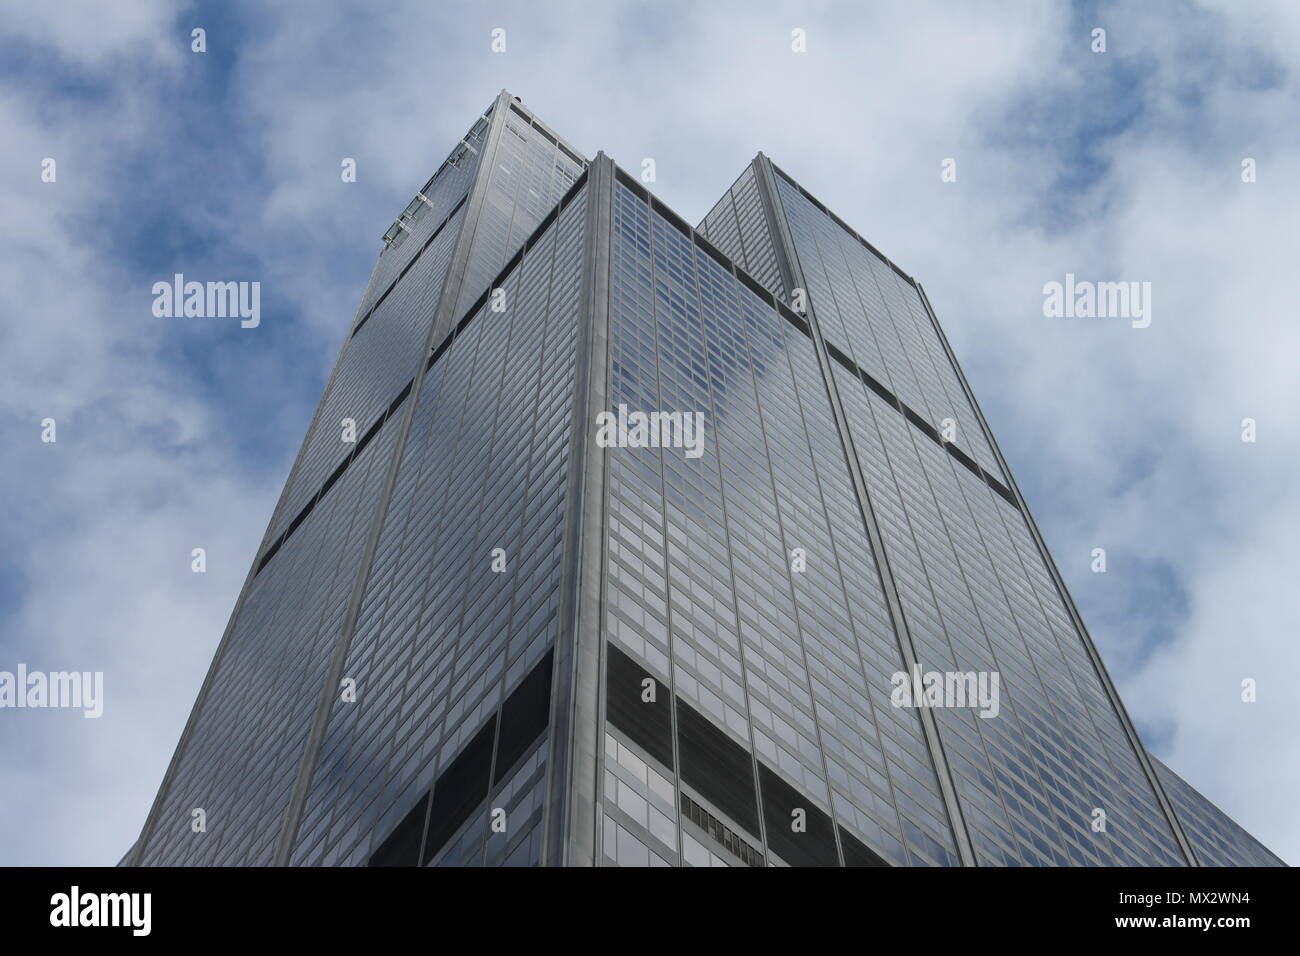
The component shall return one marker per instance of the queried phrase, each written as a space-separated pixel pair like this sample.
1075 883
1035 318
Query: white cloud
1121 437
101 523
96 35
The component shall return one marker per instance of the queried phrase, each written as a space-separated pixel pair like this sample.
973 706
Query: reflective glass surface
876 317
529 175
701 554
442 638
738 226
739 587
1216 837
242 755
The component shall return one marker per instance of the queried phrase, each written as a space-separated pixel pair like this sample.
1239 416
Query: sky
1123 165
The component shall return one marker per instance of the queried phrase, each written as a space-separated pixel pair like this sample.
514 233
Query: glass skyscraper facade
477 634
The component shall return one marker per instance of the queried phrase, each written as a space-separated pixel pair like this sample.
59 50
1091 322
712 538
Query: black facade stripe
637 189
789 180
506 737
461 787
857 853
407 268
798 831
712 251
966 460
647 723
921 425
524 717
801 323
753 285
401 397
437 353
515 259
715 765
721 771
402 846
329 482
674 220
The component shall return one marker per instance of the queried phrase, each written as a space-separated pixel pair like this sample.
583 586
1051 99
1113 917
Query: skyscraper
484 629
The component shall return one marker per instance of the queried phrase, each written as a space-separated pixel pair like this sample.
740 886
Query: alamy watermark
131 911
82 690
1084 299
208 300
974 689
624 429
